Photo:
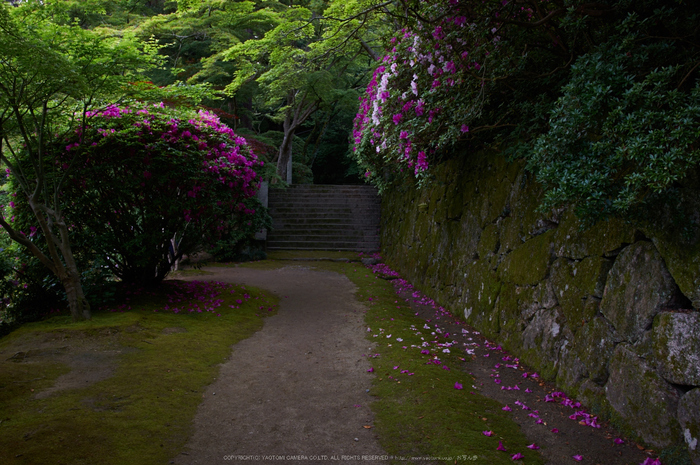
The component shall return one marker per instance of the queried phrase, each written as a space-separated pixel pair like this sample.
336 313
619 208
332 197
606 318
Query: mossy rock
575 282
526 198
683 263
520 218
480 290
513 301
572 371
594 343
437 207
465 237
488 242
542 339
638 287
510 236
454 201
689 419
592 396
642 398
529 263
603 238
497 194
676 346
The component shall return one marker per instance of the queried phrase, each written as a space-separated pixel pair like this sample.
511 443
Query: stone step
330 229
321 222
322 238
326 218
322 245
316 201
324 211
323 217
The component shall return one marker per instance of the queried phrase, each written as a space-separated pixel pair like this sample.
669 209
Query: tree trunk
60 260
285 154
78 304
297 113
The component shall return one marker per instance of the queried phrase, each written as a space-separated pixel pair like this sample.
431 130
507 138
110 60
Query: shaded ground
560 437
296 388
89 361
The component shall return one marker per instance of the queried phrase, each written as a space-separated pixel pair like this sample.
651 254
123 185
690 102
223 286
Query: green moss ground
423 415
143 413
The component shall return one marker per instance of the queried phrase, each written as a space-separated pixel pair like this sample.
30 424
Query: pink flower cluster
400 110
433 84
227 157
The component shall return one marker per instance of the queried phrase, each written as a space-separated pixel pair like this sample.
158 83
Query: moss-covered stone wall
610 312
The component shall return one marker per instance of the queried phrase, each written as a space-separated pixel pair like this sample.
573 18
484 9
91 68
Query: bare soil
297 388
89 359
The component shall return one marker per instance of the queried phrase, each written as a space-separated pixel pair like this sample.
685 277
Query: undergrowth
143 413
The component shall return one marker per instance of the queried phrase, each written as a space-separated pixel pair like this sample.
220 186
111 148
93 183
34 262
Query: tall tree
51 76
307 62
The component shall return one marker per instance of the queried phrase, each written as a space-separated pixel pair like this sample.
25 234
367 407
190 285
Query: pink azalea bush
146 184
429 91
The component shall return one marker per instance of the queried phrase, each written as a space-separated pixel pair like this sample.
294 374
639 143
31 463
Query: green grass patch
142 413
423 415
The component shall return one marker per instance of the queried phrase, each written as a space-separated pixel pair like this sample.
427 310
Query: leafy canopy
600 99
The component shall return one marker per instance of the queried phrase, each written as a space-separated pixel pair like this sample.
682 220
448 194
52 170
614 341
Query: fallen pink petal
517 456
578 458
533 446
619 441
500 447
458 386
488 433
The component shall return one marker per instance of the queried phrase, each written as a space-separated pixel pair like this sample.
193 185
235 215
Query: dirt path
297 390
299 386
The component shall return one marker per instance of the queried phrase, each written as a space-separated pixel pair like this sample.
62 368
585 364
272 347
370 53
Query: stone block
595 343
480 289
529 263
603 238
542 339
683 263
572 371
574 281
591 394
643 399
638 287
488 242
689 419
512 302
676 346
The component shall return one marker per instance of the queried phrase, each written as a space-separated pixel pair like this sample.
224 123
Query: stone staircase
324 217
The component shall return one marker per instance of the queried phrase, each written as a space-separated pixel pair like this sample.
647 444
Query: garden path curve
299 386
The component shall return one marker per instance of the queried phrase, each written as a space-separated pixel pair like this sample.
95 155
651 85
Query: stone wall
609 312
